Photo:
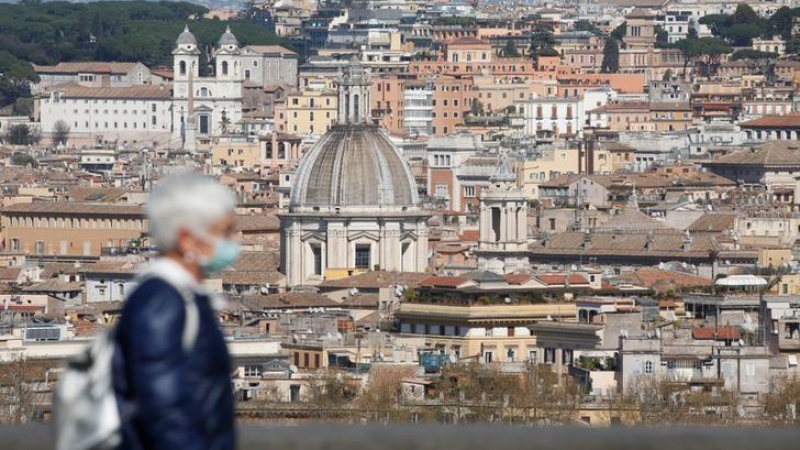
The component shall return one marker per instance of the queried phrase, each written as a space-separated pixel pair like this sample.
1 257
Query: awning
741 281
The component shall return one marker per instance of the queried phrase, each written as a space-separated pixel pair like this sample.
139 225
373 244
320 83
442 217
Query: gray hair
188 201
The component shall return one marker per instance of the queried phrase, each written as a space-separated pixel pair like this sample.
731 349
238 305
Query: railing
497 437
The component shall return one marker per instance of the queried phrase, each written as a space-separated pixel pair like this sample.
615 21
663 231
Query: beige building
307 112
551 163
70 229
496 333
238 153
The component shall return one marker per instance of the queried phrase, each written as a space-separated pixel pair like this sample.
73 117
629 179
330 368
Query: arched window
182 66
224 68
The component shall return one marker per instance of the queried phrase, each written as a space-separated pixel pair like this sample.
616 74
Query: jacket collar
171 272
174 274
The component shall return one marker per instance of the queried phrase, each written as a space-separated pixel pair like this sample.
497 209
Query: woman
172 370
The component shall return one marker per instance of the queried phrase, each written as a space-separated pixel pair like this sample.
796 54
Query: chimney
587 238
648 245
687 241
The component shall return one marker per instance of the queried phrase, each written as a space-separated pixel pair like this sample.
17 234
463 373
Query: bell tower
503 242
354 94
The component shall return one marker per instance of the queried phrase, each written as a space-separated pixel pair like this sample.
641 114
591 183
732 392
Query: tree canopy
610 56
741 27
53 32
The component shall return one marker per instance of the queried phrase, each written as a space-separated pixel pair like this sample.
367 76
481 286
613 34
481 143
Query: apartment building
71 229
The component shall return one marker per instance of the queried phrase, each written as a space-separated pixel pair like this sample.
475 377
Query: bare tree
21 389
61 131
783 407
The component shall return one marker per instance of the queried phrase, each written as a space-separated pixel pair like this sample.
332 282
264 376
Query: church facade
354 203
213 103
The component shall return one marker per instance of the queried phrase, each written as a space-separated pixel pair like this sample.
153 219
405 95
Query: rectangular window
252 370
469 191
317 251
362 256
39 248
15 245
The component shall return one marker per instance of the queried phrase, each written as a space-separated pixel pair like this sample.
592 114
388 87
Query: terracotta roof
773 153
288 300
70 208
168 74
252 278
665 244
9 274
722 333
665 280
53 269
467 40
711 222
791 120
257 262
447 282
87 67
632 219
469 236
257 222
376 279
362 300
53 285
517 278
163 92
262 49
96 195
110 267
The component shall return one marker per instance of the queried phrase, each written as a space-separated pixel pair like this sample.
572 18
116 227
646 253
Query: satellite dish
507 300
293 368
689 315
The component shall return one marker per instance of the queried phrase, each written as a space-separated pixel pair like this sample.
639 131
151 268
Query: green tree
510 49
610 56
542 42
717 22
662 37
704 52
585 25
61 131
23 160
15 78
476 108
22 134
752 55
745 14
742 34
781 22
620 32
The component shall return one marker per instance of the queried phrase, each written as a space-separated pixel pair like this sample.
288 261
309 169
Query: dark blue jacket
171 399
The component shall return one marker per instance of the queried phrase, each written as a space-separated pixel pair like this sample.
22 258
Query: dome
186 38
354 166
227 38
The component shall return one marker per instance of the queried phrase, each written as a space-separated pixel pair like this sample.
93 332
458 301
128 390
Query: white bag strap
192 325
